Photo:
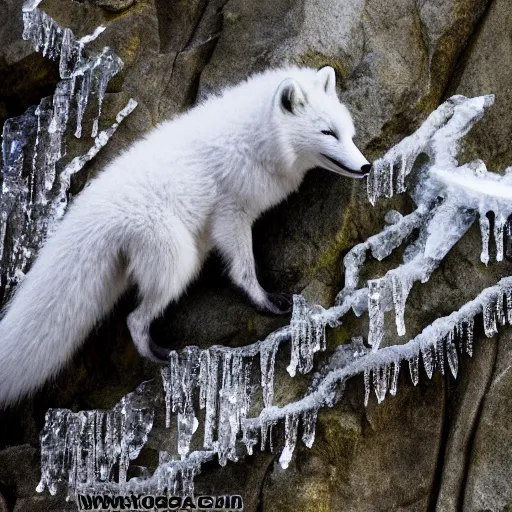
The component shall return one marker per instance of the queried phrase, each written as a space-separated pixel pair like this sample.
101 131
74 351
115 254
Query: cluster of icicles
223 378
35 176
88 445
91 450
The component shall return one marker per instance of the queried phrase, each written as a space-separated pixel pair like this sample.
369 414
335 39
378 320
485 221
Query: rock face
443 445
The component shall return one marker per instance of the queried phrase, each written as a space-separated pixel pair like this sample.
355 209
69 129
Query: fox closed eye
331 133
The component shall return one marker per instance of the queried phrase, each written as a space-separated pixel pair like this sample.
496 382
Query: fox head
317 127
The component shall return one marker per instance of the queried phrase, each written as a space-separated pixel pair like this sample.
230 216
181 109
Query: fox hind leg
162 267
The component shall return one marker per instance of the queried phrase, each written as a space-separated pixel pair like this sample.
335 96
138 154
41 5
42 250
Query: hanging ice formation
35 175
87 449
222 381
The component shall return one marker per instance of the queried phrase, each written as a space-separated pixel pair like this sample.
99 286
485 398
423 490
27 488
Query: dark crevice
462 59
188 44
205 33
177 21
447 427
438 473
476 422
164 15
199 37
259 507
7 497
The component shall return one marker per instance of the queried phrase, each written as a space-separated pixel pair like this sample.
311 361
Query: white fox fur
151 217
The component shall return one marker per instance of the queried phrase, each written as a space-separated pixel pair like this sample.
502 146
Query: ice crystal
309 423
90 448
267 366
308 335
34 175
290 434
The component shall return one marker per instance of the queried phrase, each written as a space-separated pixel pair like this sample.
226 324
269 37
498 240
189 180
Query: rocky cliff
443 445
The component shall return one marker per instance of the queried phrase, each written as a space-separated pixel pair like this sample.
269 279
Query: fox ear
327 78
290 96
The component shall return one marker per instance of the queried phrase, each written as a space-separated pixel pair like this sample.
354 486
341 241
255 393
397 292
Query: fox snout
354 160
347 162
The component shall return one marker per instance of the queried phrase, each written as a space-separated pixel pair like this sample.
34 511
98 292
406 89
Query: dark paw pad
279 303
161 354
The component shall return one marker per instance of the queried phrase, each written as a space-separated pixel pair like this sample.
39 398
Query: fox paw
278 303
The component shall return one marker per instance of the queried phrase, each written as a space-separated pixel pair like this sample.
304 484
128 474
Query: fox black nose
366 168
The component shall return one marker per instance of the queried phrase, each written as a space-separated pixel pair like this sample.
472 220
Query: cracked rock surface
442 445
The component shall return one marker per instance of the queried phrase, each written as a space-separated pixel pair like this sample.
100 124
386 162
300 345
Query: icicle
267 366
298 328
485 230
499 225
366 377
82 100
187 481
308 427
229 417
318 332
187 425
451 354
380 382
401 287
440 354
264 434
427 361
307 336
182 379
508 301
500 309
376 312
460 335
66 53
204 367
35 199
167 385
413 367
249 440
394 378
109 66
175 381
508 238
490 326
469 336
211 400
373 182
306 346
387 180
290 432
400 180
271 436
85 447
243 399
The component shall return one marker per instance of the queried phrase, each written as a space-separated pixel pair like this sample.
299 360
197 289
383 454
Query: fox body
151 217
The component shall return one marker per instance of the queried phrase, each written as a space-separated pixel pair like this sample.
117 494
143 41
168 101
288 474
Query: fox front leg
232 235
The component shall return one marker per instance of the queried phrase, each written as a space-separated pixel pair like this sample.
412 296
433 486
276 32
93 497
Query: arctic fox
195 183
